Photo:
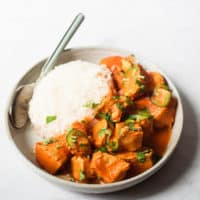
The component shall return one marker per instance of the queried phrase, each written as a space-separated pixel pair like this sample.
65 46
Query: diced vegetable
50 118
161 97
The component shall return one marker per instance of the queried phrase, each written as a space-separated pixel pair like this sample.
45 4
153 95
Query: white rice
64 92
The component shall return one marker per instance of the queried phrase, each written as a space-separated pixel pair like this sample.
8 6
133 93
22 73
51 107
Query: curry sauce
131 127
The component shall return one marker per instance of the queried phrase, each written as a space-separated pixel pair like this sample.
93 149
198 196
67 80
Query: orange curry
128 134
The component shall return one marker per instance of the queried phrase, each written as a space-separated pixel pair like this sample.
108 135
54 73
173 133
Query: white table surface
166 32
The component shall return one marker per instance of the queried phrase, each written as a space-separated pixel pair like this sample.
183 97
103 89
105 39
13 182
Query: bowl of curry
133 132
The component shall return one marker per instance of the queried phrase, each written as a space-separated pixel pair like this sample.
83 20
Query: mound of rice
62 96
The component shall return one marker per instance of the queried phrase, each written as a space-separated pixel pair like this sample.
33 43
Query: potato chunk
52 154
109 168
80 168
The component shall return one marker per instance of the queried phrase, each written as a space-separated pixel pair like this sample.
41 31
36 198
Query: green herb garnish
83 145
141 114
120 106
141 156
132 128
141 85
90 104
104 131
102 149
71 137
114 145
82 175
47 141
105 116
58 146
50 118
145 114
116 97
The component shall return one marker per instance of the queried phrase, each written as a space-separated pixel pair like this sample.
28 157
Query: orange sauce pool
160 140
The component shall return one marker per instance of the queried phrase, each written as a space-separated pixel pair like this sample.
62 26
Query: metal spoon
19 108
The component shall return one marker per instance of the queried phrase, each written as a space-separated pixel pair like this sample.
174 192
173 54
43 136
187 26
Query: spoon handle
49 64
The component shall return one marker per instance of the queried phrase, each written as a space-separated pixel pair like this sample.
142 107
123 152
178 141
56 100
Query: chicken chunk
80 168
52 154
140 161
147 128
109 168
101 133
163 116
77 140
155 80
129 136
144 163
130 77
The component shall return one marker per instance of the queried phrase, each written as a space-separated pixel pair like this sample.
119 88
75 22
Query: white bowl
24 139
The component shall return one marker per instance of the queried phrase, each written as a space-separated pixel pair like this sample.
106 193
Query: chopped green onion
71 137
116 97
82 175
145 113
83 145
104 131
102 149
161 96
129 121
47 141
114 145
142 114
105 116
90 104
58 146
50 118
141 85
141 157
132 128
120 106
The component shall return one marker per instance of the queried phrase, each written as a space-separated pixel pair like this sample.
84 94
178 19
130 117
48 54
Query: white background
166 32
